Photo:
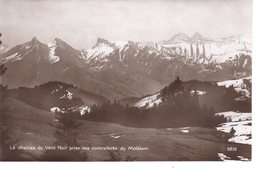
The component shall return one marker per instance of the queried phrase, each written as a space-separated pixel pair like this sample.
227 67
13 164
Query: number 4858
231 148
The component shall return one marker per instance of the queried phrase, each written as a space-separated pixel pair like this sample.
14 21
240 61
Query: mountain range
123 69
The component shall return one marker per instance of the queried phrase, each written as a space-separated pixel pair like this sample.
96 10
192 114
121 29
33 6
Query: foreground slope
34 127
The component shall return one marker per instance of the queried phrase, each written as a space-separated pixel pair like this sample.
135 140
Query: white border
176 165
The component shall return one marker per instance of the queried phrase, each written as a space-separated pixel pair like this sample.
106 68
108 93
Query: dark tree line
182 105
179 107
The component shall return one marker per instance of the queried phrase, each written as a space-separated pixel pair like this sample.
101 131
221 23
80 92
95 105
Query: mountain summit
118 69
178 38
197 35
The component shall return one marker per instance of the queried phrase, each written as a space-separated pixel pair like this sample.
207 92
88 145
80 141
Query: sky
81 22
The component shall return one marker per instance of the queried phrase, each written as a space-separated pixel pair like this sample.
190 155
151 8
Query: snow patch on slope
151 45
83 110
242 158
184 129
11 56
69 95
99 52
14 57
114 135
234 116
56 110
52 57
149 101
238 85
223 157
120 44
198 92
241 123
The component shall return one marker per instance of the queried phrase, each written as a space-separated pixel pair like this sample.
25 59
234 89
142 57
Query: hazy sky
81 22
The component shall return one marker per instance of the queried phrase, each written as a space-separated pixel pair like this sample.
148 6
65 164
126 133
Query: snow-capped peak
150 45
120 44
99 51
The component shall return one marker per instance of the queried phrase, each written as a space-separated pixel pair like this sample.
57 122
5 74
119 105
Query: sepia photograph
126 80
